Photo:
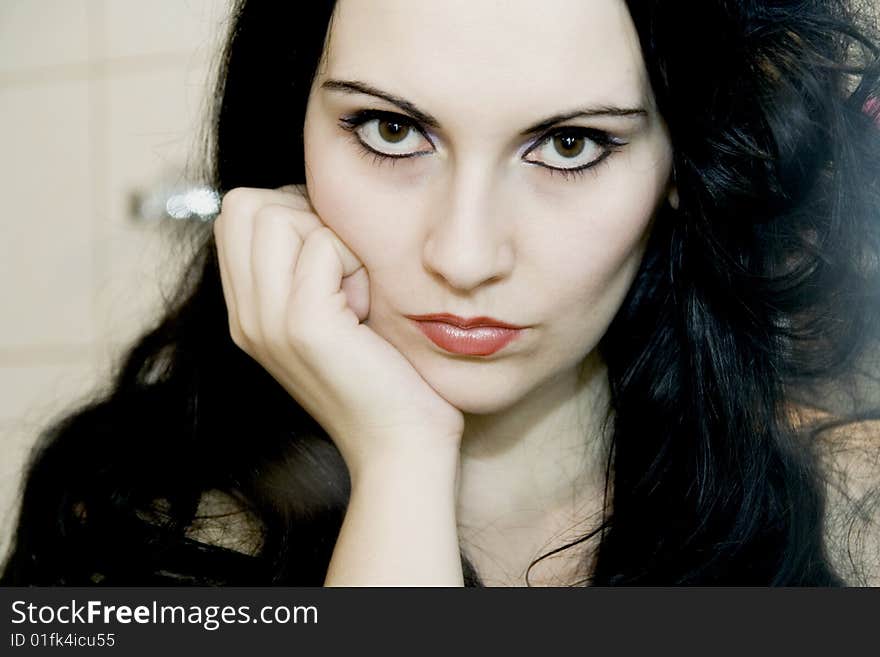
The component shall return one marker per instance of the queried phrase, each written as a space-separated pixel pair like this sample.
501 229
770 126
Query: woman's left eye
569 151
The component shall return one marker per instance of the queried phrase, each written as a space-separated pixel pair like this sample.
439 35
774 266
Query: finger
355 285
291 196
323 262
351 263
275 251
226 284
300 193
234 227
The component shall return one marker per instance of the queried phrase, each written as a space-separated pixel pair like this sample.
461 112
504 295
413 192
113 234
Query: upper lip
464 322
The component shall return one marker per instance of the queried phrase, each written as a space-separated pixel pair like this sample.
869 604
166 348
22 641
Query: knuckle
217 227
298 193
237 336
239 200
321 233
318 237
272 214
249 332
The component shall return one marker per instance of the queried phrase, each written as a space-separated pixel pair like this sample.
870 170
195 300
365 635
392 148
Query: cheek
371 207
601 222
344 200
601 241
595 253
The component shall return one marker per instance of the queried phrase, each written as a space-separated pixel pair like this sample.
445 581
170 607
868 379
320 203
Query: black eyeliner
608 142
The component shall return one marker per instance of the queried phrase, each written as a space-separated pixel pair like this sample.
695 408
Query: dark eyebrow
354 86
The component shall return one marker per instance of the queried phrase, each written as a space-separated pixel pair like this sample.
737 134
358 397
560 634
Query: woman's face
487 217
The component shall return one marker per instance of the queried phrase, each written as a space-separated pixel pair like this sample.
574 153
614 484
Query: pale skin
502 454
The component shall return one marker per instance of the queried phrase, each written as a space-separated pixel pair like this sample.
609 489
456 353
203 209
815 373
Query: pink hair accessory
872 108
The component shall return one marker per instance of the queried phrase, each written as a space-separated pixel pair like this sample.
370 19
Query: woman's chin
477 406
475 397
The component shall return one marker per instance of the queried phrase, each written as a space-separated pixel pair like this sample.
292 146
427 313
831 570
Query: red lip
462 322
477 336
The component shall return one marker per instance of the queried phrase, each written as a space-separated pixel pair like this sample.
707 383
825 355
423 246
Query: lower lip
478 341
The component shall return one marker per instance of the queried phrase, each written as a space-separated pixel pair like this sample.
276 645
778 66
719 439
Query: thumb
357 292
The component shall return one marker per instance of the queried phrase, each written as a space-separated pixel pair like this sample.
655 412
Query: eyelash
604 140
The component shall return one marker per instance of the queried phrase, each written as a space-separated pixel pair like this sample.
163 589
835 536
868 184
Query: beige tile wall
98 99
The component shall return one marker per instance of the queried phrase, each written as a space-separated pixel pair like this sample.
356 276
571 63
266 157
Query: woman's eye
388 135
569 150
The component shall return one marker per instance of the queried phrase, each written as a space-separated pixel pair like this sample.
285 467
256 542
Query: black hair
759 291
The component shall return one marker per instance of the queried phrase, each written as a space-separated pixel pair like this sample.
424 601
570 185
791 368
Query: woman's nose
468 241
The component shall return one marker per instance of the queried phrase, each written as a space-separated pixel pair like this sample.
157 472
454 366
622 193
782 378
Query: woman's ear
673 197
672 192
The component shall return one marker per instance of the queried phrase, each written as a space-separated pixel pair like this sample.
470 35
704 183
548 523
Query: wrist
400 525
408 467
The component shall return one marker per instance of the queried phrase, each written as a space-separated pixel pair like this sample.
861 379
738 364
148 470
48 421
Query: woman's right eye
386 134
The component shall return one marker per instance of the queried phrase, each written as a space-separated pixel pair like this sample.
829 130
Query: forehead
520 54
